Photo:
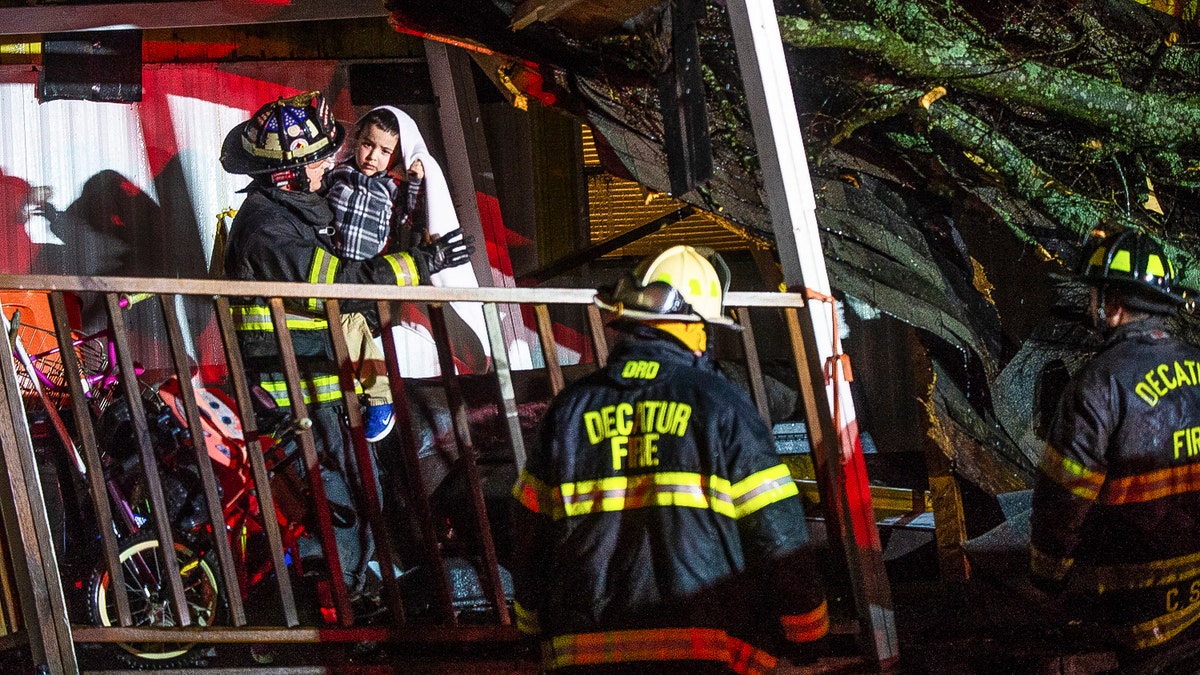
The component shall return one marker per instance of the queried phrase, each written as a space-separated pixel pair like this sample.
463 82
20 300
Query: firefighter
658 529
1116 506
282 233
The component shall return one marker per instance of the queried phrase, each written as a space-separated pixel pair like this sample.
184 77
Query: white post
792 206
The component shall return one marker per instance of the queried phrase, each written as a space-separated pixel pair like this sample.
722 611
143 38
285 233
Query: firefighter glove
449 250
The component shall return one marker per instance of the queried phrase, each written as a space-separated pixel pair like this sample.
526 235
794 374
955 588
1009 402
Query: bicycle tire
150 604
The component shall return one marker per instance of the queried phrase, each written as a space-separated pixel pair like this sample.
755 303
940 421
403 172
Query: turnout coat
655 522
1116 507
279 235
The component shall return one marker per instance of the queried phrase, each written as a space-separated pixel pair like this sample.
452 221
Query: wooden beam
148 15
23 511
472 180
833 426
539 10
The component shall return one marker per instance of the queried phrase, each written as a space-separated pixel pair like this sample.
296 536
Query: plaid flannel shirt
362 210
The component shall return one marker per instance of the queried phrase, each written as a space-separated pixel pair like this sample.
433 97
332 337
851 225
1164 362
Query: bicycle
44 386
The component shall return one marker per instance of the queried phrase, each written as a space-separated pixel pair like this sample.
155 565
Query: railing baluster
753 367
508 402
599 339
91 450
23 506
208 478
468 456
312 464
418 495
258 464
370 490
137 415
545 331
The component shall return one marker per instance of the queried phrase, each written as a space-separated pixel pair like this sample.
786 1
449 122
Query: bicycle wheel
150 600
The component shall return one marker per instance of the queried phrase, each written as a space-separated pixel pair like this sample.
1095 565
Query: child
411 225
361 192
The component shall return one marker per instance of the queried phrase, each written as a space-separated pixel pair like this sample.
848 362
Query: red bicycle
44 387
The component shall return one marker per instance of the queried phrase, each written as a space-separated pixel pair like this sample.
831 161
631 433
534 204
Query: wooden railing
43 618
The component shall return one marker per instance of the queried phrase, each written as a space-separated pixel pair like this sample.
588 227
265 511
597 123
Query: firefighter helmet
1135 261
284 134
682 283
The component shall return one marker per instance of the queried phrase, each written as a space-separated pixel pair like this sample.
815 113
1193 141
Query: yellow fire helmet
683 283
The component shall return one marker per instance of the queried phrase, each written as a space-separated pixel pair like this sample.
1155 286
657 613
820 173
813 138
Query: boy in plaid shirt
363 197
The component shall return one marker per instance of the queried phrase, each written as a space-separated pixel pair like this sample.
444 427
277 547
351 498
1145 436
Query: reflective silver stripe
326 388
323 271
404 267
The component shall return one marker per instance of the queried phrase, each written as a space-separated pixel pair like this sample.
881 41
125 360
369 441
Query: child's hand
417 170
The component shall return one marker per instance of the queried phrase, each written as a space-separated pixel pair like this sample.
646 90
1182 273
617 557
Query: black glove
449 250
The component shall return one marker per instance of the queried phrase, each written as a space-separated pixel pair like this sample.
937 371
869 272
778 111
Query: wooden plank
312 464
545 329
422 293
508 397
410 446
86 432
369 488
258 465
137 415
420 635
599 339
23 507
471 177
468 457
208 478
950 526
758 392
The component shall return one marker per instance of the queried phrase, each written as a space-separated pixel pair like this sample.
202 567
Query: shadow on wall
114 228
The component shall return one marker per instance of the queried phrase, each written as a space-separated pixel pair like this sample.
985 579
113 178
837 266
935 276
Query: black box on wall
101 65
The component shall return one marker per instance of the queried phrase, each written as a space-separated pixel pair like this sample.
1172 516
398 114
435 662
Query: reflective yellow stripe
527 620
620 493
1071 475
656 644
1103 578
1049 566
761 489
1153 577
1121 262
323 271
1154 266
808 626
325 387
1150 486
669 488
533 494
324 267
404 267
1163 628
258 318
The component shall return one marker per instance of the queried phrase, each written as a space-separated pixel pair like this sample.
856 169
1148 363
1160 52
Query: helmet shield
287 133
680 284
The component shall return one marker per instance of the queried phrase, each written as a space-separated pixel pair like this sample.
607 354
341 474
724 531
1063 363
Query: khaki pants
369 366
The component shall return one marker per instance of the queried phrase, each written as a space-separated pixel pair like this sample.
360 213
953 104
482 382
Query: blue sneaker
379 421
